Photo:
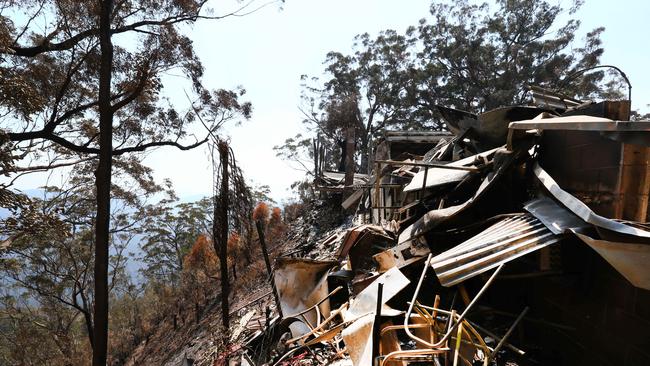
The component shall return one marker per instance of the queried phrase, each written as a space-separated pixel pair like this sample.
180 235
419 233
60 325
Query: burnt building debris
520 237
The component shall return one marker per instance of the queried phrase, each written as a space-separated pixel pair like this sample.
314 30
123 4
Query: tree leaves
469 56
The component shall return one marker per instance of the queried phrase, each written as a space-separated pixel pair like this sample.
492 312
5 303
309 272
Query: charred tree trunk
366 155
265 253
220 232
249 244
349 162
267 260
103 183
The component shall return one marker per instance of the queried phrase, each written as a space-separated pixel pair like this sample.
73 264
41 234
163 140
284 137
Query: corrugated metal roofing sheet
556 218
502 242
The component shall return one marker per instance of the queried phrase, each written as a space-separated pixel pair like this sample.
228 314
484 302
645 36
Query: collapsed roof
504 189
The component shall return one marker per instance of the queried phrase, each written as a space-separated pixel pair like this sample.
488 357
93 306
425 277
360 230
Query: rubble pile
453 249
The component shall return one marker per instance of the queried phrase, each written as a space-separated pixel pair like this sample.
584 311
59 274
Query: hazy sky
266 53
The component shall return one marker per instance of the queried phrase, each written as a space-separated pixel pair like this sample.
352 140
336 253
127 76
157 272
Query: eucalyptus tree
169 232
479 57
85 79
47 270
464 55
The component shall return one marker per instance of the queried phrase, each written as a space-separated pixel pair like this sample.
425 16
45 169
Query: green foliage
50 54
49 59
476 58
169 233
465 55
47 275
261 193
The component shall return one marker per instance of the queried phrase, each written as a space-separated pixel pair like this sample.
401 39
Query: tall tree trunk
103 182
349 162
220 233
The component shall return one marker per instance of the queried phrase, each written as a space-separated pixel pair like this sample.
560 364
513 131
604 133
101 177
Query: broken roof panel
335 181
583 211
367 233
551 99
581 123
629 259
440 176
502 242
339 177
556 218
433 218
416 136
490 128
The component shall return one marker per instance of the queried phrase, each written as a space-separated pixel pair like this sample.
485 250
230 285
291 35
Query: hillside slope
202 343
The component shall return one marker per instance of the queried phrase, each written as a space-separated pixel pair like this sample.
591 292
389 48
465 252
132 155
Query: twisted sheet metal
629 259
502 242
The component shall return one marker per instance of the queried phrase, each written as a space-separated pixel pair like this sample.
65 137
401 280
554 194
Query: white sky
266 53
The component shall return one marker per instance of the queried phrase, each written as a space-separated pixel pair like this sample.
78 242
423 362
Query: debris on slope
418 276
253 307
460 251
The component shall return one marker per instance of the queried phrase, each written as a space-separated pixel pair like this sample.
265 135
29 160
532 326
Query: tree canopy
468 56
82 82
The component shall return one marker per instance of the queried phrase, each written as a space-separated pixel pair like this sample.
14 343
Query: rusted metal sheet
302 283
583 211
365 302
401 256
358 336
362 233
358 340
388 343
502 242
629 259
634 182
